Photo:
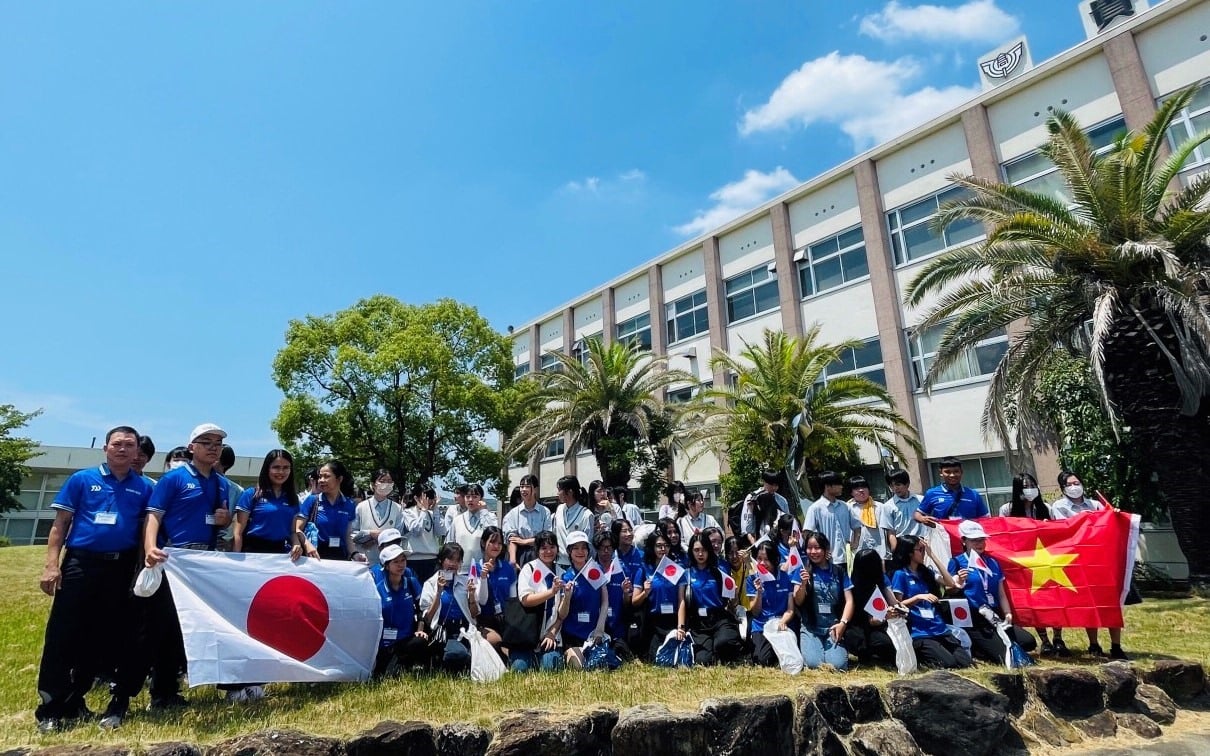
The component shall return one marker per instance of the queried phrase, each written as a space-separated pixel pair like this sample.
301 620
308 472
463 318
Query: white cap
391 552
971 529
205 428
576 536
388 535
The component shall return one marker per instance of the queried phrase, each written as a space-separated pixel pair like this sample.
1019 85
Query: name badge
334 542
497 609
609 613
702 611
390 633
665 608
926 612
105 518
582 618
210 519
823 608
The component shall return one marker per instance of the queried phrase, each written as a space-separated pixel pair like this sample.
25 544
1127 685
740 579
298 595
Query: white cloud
870 100
734 199
627 180
975 21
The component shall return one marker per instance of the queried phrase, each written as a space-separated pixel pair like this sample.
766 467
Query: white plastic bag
486 665
905 654
785 645
642 531
148 581
939 544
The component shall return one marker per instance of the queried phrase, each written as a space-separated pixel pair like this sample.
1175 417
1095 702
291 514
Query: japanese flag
764 572
726 585
475 569
262 617
671 571
876 607
534 574
960 612
595 574
793 562
975 561
615 568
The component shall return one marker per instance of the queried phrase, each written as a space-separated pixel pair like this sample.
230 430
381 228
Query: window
912 235
549 361
978 361
865 360
581 350
683 395
1194 119
832 262
687 317
556 447
751 293
521 370
1036 173
636 331
989 476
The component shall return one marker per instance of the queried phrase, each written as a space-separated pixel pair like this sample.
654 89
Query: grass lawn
1155 629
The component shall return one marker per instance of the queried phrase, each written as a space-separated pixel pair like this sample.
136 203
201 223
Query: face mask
1074 491
1029 494
174 464
382 489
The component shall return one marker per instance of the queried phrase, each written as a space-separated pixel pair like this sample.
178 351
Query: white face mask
382 489
1029 494
1075 491
174 464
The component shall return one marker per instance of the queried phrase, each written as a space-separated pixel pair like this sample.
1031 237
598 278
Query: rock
756 726
1120 679
83 750
391 738
1069 692
1181 680
1011 685
975 719
174 749
812 735
1047 730
277 743
1099 725
645 730
1154 703
867 703
888 738
459 739
538 734
834 704
1139 725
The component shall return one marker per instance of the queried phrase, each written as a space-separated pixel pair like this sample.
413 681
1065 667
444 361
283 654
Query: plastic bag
600 655
905 653
486 665
148 581
939 544
785 645
960 635
1014 656
674 653
311 531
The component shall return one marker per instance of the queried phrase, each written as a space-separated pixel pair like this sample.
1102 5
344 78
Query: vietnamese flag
1063 573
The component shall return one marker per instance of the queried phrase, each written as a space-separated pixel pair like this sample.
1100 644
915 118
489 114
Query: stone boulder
867 703
277 743
1138 724
653 729
460 739
975 722
1121 679
1181 680
534 733
1011 685
762 726
84 750
1099 725
174 749
1153 703
812 734
1045 729
394 739
887 738
1069 692
833 703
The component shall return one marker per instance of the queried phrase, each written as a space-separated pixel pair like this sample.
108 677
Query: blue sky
182 179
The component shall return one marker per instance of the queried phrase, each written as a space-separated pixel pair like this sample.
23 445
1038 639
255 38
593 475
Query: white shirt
424 530
371 515
901 512
467 532
1064 508
567 520
690 525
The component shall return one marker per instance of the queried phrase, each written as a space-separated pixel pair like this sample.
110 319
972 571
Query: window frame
809 262
750 289
1118 125
1199 161
918 358
897 228
546 453
879 367
671 330
635 332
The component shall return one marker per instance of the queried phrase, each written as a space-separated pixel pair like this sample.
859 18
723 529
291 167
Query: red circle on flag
960 612
728 583
290 615
537 577
879 604
670 570
594 574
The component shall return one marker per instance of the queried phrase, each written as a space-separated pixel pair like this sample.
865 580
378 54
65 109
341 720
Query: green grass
1156 629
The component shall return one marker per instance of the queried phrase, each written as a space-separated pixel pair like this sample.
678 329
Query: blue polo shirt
773 603
271 517
981 589
614 623
186 501
332 520
120 504
398 608
923 619
944 504
632 563
501 585
585 607
706 585
665 596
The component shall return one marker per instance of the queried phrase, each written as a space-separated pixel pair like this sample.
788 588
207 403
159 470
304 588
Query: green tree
413 389
1119 275
15 451
779 396
611 403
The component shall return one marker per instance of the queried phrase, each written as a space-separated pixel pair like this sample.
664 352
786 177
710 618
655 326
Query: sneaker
115 712
1116 652
49 725
254 692
168 702
239 695
1061 649
1094 649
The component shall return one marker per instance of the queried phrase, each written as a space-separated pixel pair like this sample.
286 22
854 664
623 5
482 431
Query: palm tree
612 403
779 396
1121 275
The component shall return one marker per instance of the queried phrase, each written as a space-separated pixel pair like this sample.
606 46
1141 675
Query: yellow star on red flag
1045 566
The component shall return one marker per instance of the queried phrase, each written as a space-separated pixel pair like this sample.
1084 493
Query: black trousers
715 637
163 647
987 645
89 631
870 644
405 653
763 654
657 627
942 651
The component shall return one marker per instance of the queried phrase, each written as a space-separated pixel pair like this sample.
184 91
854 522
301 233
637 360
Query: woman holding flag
769 592
630 557
984 591
916 588
620 588
538 590
447 609
824 598
585 606
495 581
331 510
865 635
711 601
664 592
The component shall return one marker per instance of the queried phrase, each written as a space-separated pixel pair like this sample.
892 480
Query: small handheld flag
793 561
670 570
727 585
960 612
764 572
595 574
876 607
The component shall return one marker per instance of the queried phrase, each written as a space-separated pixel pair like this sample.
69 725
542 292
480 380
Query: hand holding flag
765 574
793 561
594 573
877 607
960 612
726 585
670 570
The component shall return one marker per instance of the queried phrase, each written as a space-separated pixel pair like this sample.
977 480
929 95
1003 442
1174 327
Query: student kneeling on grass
584 609
404 642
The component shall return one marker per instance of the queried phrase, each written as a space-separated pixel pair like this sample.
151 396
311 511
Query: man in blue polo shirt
951 500
187 510
97 517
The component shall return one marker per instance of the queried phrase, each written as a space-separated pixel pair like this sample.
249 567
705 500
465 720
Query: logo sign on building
1101 15
1004 63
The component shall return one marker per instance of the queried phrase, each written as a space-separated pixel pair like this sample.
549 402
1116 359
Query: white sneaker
237 696
254 693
